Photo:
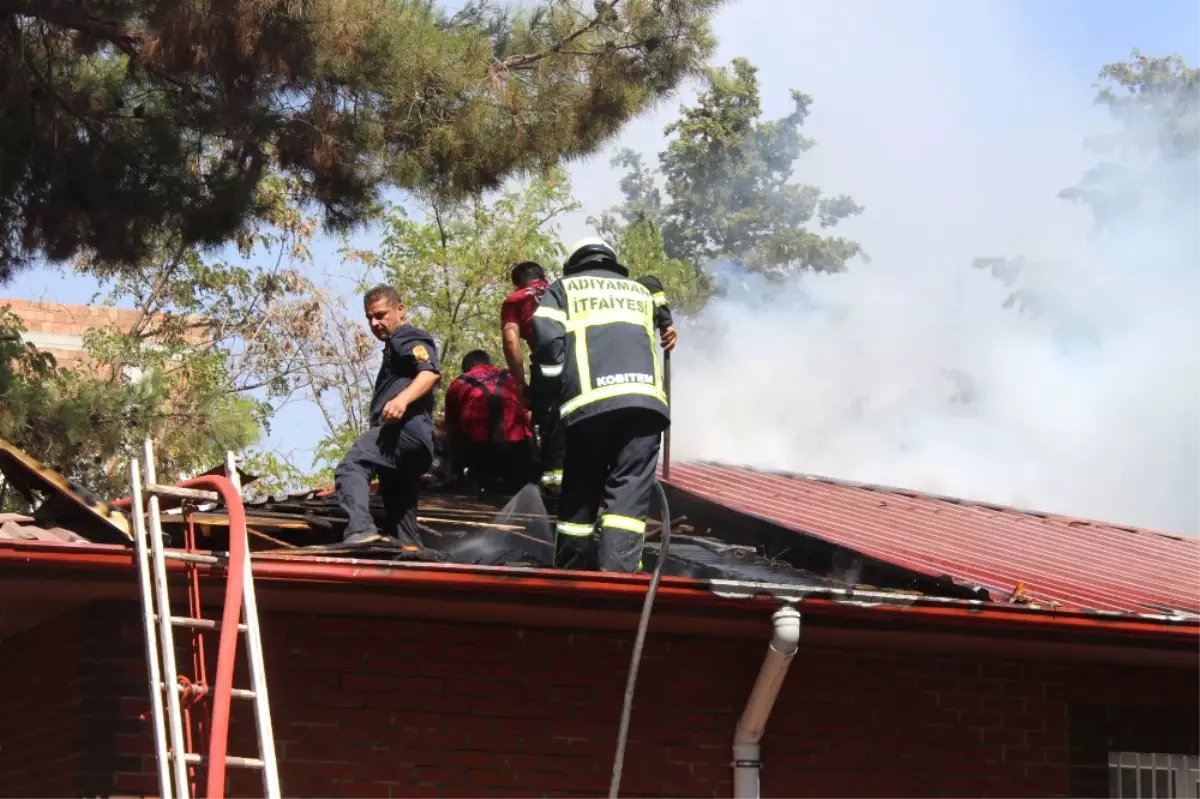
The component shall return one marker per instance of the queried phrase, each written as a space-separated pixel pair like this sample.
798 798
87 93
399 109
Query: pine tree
122 121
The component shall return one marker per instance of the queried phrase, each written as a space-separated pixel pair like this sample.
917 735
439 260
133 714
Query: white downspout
750 726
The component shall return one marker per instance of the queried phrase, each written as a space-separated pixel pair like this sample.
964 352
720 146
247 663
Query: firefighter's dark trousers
610 458
398 457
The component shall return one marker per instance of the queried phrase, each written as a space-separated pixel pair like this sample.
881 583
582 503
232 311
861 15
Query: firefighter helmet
586 248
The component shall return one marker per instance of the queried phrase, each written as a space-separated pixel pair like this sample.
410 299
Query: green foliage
727 194
1149 167
251 326
452 268
130 122
256 313
88 422
1150 161
1017 274
340 386
728 179
634 230
333 448
276 475
217 345
639 246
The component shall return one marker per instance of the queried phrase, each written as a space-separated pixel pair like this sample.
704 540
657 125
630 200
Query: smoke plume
1068 383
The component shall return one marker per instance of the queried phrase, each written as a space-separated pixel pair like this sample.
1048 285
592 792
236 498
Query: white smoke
909 371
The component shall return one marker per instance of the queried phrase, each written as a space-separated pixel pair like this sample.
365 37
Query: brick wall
41 680
378 707
60 323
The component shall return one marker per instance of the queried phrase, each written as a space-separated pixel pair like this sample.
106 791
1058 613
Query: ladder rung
200 624
182 493
192 557
236 693
230 760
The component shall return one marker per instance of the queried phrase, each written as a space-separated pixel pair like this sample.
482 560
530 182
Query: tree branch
606 12
70 14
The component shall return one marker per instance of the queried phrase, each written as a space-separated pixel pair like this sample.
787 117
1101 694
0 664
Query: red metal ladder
177 762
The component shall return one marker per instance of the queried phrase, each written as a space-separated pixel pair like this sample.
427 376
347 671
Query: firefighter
487 426
398 446
539 395
663 319
594 335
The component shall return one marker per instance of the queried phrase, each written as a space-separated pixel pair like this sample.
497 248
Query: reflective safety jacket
594 332
662 309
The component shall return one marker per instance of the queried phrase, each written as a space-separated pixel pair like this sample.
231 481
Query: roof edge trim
116 559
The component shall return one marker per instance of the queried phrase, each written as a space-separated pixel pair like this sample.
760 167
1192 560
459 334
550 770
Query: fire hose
639 640
636 658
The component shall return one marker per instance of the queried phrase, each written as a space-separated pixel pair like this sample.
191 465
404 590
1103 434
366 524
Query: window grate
1140 775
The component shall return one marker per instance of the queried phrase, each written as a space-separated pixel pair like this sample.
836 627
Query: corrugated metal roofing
1074 562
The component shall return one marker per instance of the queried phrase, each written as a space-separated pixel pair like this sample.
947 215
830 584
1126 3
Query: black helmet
590 250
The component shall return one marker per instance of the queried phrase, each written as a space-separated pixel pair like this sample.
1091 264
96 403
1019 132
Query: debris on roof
477 529
730 524
17 527
61 502
701 556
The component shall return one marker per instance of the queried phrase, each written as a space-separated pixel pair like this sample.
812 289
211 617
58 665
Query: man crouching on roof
398 447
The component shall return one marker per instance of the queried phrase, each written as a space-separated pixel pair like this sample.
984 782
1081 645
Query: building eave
693 603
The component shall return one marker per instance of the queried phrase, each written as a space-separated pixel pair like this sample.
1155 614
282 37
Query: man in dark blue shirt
398 447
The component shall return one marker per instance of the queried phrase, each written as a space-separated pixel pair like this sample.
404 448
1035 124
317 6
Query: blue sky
998 91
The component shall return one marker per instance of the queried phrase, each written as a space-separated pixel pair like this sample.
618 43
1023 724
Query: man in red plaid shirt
487 426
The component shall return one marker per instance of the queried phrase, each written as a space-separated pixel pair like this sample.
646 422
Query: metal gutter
695 593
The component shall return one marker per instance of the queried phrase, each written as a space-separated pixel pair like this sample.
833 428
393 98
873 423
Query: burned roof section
456 527
1008 554
728 524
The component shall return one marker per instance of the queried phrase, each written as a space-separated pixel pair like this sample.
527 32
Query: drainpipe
750 726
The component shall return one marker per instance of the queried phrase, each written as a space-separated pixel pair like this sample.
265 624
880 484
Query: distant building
59 329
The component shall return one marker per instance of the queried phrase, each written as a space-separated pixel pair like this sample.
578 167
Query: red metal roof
545 587
1074 562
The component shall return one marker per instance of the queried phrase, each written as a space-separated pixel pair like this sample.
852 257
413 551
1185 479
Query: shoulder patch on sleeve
420 353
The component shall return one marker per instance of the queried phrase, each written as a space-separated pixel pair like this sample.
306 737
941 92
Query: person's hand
668 339
394 410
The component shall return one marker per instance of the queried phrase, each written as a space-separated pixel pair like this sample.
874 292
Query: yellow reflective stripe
608 392
623 523
583 365
552 477
607 317
551 371
659 298
571 528
655 359
553 314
